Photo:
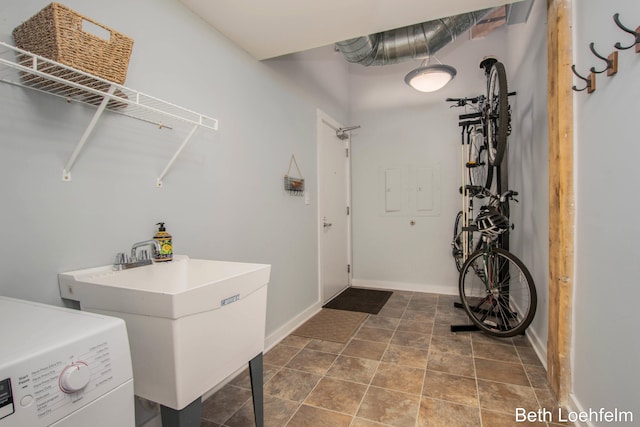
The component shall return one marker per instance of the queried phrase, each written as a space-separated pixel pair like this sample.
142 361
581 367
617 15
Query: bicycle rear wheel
498 115
497 292
480 171
456 244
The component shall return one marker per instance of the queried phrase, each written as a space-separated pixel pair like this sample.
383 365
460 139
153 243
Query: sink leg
189 416
256 373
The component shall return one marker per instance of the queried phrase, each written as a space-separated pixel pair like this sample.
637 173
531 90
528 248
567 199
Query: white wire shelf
21 68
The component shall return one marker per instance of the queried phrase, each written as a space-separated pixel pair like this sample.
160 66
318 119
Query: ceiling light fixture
429 78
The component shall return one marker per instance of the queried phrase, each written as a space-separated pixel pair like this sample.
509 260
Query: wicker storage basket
56 33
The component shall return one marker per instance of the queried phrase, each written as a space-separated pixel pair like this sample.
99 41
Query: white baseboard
405 286
538 346
283 331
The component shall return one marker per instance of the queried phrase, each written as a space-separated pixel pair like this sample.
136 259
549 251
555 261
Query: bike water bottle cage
491 223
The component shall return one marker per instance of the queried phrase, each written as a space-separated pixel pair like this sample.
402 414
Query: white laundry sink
191 322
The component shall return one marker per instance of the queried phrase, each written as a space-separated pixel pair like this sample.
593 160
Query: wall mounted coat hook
636 34
589 81
611 61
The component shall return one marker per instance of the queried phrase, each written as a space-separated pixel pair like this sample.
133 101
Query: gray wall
606 346
223 199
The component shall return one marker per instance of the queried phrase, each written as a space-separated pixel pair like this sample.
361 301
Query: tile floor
402 368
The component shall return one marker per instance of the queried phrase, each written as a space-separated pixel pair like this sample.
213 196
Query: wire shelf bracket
24 69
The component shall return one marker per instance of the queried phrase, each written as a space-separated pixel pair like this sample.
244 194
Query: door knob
326 224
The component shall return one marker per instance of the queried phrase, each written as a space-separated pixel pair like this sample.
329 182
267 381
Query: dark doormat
358 299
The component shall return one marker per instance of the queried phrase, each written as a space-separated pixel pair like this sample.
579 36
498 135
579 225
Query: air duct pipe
408 43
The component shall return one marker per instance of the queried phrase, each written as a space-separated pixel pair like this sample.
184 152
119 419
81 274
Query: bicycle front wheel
456 244
498 116
480 171
497 292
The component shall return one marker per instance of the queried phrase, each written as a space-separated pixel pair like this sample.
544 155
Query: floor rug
358 299
331 325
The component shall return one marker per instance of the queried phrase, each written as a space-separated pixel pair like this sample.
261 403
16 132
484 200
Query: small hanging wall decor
295 186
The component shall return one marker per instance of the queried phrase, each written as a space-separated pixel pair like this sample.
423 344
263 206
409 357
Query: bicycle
496 289
464 240
493 110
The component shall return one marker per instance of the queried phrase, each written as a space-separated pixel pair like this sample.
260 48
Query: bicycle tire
456 243
497 114
480 171
496 303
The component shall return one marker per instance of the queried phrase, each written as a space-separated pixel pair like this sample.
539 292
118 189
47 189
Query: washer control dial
75 377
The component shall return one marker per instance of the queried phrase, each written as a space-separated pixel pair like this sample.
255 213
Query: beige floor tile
528 356
382 322
411 339
276 413
497 419
505 372
505 353
420 316
395 313
223 404
337 395
309 416
361 422
537 376
458 345
399 378
312 361
354 369
505 398
438 413
280 355
415 326
389 407
326 346
408 356
452 388
365 349
374 334
295 341
243 380
451 363
444 329
291 384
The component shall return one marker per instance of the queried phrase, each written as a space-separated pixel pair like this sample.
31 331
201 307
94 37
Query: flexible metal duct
408 43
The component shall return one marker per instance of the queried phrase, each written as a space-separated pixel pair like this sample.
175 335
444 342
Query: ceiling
271 28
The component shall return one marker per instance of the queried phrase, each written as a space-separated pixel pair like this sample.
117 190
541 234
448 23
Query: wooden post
561 197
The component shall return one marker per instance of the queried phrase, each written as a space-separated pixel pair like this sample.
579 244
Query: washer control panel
6 398
62 362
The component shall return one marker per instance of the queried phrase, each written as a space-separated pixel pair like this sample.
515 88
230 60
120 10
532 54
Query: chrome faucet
145 255
137 258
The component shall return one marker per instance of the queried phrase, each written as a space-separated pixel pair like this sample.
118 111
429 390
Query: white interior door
334 228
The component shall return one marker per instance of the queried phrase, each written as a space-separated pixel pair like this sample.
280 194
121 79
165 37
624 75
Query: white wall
223 199
528 159
606 348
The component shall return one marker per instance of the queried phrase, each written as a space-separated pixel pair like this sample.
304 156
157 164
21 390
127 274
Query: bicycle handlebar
461 102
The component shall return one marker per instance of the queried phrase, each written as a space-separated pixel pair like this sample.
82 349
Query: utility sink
191 322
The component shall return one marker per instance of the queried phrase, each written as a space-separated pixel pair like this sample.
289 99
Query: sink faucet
135 246
123 262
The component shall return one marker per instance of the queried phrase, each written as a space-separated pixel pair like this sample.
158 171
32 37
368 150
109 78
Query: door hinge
347 210
347 151
348 268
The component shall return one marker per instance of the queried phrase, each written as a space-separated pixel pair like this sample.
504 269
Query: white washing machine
63 368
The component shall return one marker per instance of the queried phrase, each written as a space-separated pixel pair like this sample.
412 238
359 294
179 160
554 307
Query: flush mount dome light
429 78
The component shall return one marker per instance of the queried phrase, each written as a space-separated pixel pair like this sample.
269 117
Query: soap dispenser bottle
166 244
